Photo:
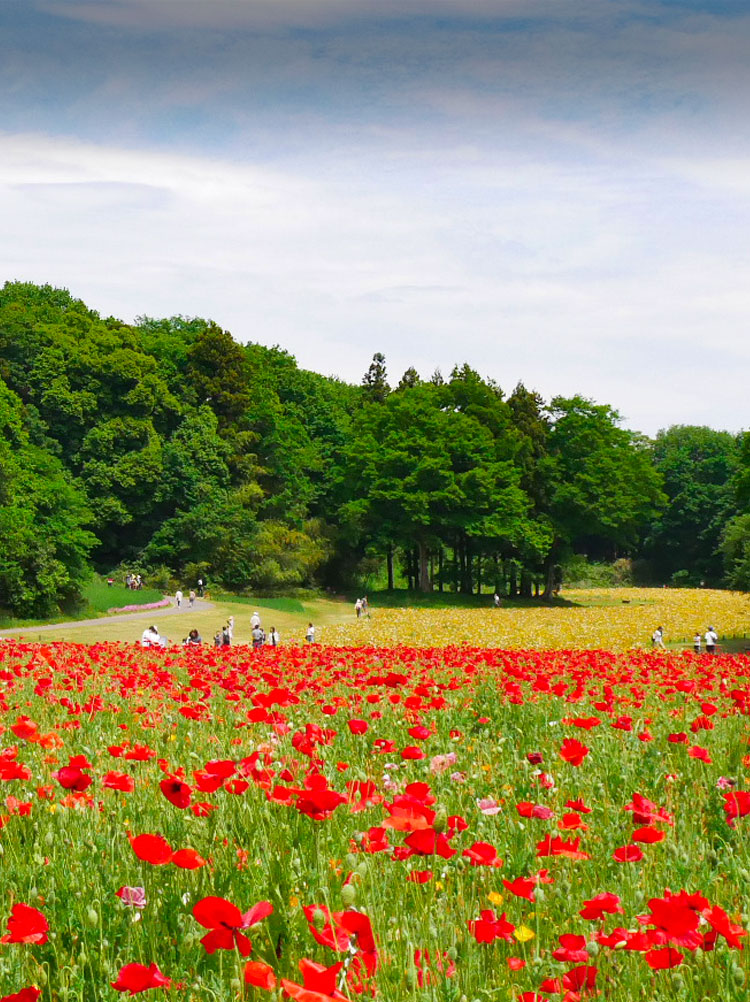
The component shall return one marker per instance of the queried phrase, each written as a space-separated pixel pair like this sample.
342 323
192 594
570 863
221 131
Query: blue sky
554 192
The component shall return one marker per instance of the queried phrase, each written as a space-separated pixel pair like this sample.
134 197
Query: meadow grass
484 713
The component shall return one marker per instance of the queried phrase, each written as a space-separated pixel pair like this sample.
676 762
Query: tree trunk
440 569
425 584
549 576
512 585
389 561
479 573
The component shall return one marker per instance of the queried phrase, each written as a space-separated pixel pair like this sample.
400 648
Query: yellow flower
523 934
438 885
294 901
495 898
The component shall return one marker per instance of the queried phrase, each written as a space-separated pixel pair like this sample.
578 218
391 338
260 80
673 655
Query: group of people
224 636
710 638
259 636
178 597
133 581
361 608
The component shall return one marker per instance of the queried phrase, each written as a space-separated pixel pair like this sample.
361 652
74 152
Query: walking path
201 605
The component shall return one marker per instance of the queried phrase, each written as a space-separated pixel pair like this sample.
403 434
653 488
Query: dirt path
201 605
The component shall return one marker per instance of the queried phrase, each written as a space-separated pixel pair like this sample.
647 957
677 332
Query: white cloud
631 289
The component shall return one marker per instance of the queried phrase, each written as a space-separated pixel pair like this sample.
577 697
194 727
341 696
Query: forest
167 448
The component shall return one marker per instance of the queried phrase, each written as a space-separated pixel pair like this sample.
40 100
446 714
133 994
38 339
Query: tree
697 465
375 382
418 474
602 486
735 549
43 519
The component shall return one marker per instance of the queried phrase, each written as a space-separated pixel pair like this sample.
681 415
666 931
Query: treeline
167 448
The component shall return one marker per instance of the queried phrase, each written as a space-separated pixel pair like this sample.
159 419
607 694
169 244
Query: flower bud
441 820
348 895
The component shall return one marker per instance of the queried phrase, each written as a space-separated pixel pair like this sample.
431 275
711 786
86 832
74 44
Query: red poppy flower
719 921
26 925
226 923
736 805
572 949
122 781
176 792
319 983
72 777
676 917
153 849
628 854
528 810
430 842
358 726
573 751
482 854
188 859
488 927
135 978
25 995
557 846
522 887
571 821
648 835
601 905
663 960
260 975
419 876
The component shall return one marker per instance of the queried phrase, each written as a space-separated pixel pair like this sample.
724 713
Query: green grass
282 604
401 598
99 597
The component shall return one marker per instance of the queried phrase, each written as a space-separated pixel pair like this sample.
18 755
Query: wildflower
26 925
135 978
226 923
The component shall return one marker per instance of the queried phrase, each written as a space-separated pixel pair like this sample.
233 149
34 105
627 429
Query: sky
554 191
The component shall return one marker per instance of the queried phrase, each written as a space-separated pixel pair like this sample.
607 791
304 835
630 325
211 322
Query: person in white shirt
178 598
711 637
310 635
358 607
255 620
697 642
150 637
657 637
273 637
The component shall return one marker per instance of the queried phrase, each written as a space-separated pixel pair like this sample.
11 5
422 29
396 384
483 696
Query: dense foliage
168 445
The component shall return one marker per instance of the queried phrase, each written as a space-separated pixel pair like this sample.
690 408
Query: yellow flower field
612 619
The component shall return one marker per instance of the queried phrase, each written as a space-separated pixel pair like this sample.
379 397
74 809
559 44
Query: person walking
310 635
711 638
178 598
358 607
273 637
200 587
657 637
255 620
697 642
191 598
257 635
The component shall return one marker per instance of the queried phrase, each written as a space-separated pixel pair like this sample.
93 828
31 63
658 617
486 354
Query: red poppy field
452 824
